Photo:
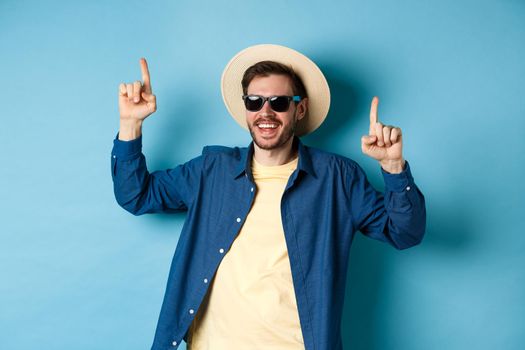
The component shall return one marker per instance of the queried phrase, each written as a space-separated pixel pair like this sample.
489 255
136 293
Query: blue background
78 272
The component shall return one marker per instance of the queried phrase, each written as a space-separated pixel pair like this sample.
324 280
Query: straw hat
313 79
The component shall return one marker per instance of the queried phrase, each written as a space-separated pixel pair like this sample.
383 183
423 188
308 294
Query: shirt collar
304 164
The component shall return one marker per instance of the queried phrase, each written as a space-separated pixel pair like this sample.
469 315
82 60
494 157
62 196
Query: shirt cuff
398 182
125 150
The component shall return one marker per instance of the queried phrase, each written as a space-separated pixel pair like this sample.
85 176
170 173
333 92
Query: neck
276 156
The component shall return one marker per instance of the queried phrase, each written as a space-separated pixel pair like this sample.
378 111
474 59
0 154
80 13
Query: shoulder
321 158
223 151
334 168
224 157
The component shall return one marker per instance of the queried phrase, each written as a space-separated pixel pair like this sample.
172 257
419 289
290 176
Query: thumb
148 97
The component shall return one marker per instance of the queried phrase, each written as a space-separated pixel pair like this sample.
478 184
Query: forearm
139 191
129 173
406 216
398 216
405 206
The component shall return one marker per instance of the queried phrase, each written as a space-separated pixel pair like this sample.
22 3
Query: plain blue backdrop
78 272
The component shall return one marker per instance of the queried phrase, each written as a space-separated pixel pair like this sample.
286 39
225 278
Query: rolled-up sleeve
139 191
398 216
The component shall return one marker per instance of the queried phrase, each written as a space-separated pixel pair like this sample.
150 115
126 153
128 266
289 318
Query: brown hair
265 68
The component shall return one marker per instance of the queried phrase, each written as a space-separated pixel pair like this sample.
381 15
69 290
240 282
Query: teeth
267 126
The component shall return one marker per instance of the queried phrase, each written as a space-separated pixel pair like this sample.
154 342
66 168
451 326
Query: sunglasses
254 103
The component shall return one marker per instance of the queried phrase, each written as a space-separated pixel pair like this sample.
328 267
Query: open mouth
267 125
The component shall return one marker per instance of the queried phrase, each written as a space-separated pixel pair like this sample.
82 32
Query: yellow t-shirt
251 301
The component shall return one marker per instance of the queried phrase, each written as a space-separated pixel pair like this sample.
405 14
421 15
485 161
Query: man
262 258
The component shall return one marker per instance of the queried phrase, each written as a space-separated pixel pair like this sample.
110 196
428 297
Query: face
271 130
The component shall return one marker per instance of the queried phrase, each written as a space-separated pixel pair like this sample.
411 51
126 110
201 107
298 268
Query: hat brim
313 79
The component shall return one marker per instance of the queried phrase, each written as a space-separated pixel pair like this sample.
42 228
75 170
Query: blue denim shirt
326 200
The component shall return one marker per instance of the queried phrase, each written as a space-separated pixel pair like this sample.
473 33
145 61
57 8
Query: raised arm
398 216
136 189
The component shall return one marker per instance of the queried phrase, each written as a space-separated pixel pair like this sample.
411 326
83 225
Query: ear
302 107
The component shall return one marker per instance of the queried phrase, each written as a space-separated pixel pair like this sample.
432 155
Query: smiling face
272 130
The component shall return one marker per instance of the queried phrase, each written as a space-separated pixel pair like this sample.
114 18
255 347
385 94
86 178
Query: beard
287 133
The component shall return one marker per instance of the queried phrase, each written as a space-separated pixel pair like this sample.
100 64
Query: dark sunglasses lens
279 103
253 103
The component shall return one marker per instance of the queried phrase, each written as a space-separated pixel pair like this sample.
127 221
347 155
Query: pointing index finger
145 75
373 114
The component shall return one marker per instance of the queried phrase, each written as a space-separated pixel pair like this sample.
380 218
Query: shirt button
205 280
114 156
174 343
191 311
408 188
221 250
251 189
238 219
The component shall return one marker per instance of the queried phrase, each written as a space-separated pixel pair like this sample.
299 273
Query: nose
266 109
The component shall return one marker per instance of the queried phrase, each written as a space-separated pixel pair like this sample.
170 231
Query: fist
136 100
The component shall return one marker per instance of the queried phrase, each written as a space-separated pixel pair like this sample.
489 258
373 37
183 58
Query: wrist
130 129
393 166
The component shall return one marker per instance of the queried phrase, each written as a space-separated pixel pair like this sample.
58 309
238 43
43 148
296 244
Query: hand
136 100
383 143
